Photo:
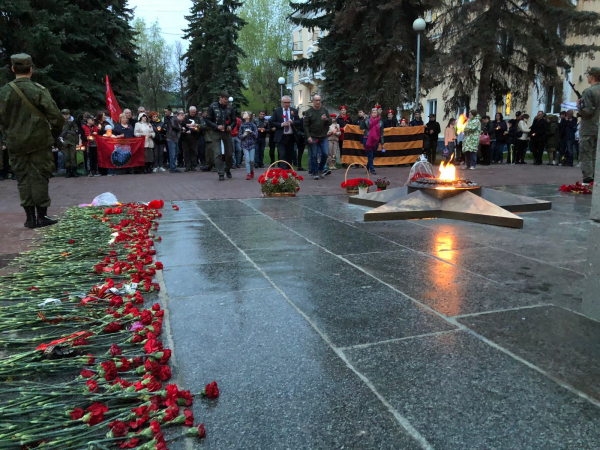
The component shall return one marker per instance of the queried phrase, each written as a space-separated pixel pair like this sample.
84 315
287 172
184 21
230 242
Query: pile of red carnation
577 188
419 175
355 182
280 181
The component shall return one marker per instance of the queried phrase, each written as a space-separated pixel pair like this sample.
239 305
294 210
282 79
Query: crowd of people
217 139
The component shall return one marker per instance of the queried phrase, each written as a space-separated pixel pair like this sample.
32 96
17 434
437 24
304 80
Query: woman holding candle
91 131
144 129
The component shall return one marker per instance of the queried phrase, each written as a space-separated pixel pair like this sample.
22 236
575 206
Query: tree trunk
484 89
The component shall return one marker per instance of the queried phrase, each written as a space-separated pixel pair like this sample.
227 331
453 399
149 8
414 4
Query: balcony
306 77
297 48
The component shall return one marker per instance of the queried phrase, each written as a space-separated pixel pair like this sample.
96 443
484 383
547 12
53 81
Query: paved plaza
328 332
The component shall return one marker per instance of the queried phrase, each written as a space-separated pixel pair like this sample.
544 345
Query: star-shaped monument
476 204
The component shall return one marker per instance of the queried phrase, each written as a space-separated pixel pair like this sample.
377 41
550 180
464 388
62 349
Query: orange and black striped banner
403 145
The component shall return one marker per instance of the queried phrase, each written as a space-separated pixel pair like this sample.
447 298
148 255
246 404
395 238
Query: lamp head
281 80
419 25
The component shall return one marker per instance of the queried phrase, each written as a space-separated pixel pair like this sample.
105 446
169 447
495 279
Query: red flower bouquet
353 184
577 188
279 183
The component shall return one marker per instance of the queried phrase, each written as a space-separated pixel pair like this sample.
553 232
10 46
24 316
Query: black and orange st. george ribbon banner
403 145
120 153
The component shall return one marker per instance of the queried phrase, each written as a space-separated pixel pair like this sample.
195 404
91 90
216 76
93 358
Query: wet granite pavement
326 332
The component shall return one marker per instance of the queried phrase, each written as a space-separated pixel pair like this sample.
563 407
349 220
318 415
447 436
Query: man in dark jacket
342 120
31 123
537 137
570 130
432 131
262 125
220 119
172 136
190 137
416 119
285 119
316 126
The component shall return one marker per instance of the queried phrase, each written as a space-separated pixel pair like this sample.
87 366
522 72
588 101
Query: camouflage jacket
590 113
24 130
70 133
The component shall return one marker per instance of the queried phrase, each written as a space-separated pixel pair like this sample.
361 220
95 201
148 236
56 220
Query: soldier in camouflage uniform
207 153
2 147
589 111
70 139
31 122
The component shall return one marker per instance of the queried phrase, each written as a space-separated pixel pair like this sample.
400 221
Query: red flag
119 153
112 105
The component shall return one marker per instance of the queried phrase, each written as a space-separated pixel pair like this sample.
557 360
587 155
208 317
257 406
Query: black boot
30 222
42 219
75 173
68 174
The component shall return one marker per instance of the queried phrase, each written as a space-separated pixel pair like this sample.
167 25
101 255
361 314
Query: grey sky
170 15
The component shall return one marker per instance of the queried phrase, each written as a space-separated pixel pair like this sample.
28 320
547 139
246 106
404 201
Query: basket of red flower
353 184
280 182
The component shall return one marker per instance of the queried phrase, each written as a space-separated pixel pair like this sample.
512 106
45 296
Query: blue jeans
260 151
173 150
249 156
498 151
370 158
319 147
471 159
237 151
311 169
570 152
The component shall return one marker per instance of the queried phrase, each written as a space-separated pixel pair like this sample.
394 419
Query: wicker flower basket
353 190
280 194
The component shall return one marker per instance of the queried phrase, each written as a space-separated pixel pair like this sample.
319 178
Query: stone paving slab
460 393
563 343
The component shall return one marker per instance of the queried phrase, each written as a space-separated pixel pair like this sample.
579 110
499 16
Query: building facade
305 83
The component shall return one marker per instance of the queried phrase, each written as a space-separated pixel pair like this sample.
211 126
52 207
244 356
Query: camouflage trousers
587 155
70 156
33 171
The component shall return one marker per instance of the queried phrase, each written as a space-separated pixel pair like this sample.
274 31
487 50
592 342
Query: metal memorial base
487 206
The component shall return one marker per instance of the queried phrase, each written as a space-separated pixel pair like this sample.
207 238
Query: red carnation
72 241
275 181
115 302
115 350
176 208
211 390
125 365
92 386
159 265
87 373
76 414
110 370
119 429
97 411
155 426
113 327
156 307
131 443
189 418
166 356
171 413
146 317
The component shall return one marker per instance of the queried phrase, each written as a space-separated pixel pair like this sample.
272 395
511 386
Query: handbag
484 139
446 152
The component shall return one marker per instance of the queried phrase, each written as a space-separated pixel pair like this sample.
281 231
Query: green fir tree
213 54
492 47
73 44
368 51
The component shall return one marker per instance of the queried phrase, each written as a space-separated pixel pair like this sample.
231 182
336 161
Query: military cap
594 71
21 61
65 111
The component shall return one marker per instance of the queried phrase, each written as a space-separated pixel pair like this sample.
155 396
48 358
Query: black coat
277 120
538 127
390 123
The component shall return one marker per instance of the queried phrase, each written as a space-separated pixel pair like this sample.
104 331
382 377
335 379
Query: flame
447 171
461 123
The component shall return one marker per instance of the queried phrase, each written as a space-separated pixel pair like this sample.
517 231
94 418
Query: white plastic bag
106 199
420 169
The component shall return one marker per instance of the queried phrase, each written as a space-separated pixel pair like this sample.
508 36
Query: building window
300 100
431 107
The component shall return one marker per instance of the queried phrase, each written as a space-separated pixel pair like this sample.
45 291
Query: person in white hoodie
522 139
143 128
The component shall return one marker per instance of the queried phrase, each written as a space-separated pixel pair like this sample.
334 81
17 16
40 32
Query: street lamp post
281 82
418 25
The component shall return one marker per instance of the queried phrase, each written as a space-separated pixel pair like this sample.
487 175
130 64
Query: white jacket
525 129
145 129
